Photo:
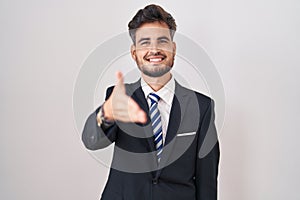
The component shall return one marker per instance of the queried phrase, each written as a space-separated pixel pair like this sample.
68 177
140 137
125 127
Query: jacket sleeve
93 136
208 157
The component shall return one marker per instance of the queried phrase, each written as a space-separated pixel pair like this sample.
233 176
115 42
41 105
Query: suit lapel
177 112
135 91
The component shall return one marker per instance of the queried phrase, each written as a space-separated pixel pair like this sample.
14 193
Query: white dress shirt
166 94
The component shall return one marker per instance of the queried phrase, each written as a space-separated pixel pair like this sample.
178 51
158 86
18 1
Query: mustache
154 54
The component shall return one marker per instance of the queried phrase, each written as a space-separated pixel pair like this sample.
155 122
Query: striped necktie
156 124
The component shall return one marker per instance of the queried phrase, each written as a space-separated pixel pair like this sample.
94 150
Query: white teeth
155 59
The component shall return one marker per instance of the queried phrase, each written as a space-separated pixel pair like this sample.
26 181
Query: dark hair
151 13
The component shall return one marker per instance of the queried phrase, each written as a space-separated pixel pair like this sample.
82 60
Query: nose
154 47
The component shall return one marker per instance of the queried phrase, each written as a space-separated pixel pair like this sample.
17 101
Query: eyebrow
159 38
163 38
142 39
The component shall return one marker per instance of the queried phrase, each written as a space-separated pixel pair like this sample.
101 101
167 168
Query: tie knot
154 98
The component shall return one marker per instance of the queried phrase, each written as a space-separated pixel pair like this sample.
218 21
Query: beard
154 70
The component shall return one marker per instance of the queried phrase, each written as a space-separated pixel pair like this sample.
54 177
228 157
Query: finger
142 117
136 114
139 117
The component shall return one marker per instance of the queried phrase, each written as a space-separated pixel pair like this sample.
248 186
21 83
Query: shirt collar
166 93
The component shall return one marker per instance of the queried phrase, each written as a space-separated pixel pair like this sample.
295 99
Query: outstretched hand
119 106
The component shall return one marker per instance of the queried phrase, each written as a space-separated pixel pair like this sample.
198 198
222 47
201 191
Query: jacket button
154 181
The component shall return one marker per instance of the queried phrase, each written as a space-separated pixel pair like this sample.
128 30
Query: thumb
120 80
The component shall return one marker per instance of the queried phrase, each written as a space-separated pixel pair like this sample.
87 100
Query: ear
174 48
133 52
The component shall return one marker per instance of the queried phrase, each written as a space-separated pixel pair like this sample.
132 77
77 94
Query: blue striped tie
156 124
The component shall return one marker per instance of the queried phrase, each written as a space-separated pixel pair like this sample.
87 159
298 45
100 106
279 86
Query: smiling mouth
155 60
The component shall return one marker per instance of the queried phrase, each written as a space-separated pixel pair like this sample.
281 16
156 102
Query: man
159 128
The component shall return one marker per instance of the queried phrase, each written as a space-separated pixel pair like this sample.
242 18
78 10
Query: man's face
154 50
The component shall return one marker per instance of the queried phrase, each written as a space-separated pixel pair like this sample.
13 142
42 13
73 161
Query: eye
145 43
163 41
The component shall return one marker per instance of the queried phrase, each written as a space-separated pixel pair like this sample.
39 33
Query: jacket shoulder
203 100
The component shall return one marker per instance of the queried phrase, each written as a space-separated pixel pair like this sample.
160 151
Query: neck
156 83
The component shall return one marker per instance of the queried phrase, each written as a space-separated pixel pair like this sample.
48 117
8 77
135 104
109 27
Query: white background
254 44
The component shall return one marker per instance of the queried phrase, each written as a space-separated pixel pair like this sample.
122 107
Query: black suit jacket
188 169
